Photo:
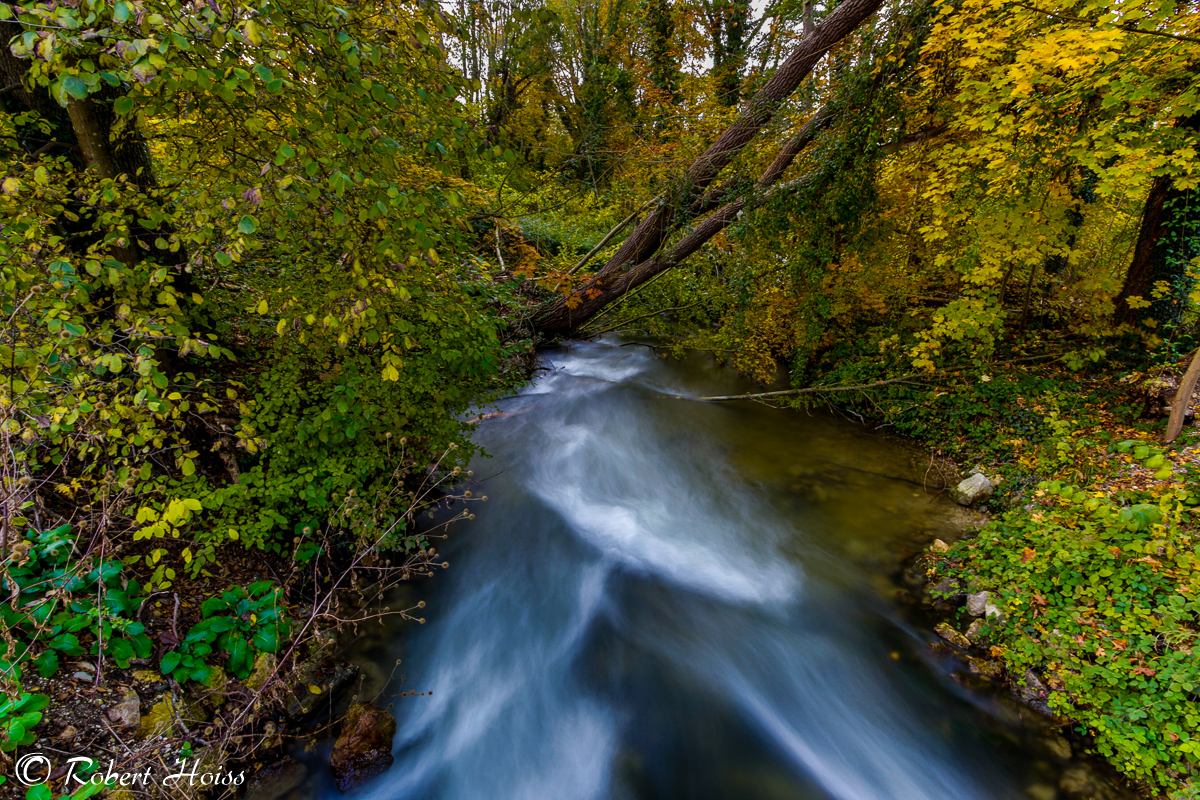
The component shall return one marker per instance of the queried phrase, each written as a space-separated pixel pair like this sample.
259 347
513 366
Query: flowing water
668 599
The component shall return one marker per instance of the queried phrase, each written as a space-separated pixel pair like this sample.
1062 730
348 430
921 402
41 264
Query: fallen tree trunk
634 261
625 280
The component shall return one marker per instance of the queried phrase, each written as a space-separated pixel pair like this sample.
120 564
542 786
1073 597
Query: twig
642 316
608 236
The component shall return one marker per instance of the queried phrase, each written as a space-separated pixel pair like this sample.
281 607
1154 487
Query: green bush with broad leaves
1101 596
241 623
67 606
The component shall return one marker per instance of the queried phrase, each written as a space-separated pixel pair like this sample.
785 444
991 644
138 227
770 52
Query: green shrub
68 607
240 622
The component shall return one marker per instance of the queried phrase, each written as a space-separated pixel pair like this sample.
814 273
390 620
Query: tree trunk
677 209
86 128
1139 278
1165 244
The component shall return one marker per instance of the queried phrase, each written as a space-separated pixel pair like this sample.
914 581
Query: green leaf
123 106
267 640
74 86
240 657
246 225
170 662
46 663
67 643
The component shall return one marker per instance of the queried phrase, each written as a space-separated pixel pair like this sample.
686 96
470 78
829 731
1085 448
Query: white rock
991 610
977 604
971 490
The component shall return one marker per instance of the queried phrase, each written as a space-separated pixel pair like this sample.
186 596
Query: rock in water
971 490
977 603
364 747
952 636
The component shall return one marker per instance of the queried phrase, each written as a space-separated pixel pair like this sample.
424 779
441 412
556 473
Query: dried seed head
467 493
421 604
387 435
445 565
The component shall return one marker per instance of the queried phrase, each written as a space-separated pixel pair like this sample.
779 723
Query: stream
665 599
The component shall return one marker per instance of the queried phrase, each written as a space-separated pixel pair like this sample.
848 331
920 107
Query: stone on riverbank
364 747
971 490
977 603
128 712
952 636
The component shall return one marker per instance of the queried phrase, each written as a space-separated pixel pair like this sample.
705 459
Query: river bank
1079 593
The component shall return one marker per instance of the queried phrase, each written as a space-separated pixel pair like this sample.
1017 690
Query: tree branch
806 390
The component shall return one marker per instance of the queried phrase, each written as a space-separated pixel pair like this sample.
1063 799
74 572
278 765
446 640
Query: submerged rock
1040 791
971 490
1058 747
1077 782
364 747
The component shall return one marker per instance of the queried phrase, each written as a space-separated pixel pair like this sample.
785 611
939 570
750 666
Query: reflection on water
670 599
